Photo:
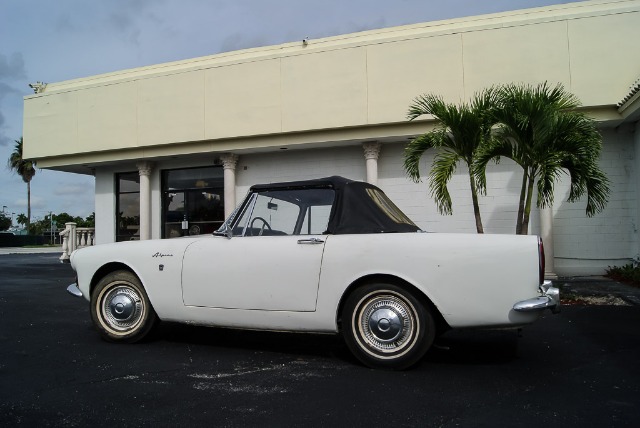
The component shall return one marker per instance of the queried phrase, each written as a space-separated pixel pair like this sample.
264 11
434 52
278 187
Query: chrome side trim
550 299
74 290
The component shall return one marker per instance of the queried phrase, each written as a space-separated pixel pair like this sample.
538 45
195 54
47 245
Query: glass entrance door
174 214
205 211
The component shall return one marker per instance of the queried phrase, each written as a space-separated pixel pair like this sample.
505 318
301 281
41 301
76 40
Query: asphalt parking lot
578 368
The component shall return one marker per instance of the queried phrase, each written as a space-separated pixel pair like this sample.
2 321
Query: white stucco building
184 140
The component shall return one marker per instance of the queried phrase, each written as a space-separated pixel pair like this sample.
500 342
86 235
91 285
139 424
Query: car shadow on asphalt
308 344
470 347
463 347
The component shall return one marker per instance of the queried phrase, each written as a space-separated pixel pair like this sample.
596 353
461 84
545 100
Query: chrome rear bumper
550 299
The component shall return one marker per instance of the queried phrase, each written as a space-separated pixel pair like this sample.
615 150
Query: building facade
175 146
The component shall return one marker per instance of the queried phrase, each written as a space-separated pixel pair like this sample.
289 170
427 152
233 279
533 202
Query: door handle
311 241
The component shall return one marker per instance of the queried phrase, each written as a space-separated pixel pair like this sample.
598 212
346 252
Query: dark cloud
12 67
4 91
131 19
65 25
4 140
121 21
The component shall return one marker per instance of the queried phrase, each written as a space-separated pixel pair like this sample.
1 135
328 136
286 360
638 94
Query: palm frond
414 150
426 104
23 167
444 165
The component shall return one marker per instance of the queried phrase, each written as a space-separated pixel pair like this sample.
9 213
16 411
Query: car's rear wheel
386 326
120 308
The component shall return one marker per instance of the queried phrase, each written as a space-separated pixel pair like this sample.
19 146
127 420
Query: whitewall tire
120 308
385 326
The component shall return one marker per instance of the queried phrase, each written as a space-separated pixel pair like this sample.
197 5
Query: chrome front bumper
74 290
550 299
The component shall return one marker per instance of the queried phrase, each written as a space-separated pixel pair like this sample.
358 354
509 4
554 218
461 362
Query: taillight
540 260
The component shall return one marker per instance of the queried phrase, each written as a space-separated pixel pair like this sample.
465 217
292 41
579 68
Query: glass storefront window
192 201
127 206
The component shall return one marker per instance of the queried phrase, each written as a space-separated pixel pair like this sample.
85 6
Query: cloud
131 19
65 25
72 189
4 140
6 90
37 204
12 67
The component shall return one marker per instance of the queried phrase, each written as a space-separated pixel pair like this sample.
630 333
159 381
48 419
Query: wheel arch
441 323
108 268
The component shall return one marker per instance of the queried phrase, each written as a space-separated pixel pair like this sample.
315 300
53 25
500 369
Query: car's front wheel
120 308
385 326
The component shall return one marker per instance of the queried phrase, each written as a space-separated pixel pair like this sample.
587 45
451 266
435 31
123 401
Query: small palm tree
22 219
25 169
459 132
542 132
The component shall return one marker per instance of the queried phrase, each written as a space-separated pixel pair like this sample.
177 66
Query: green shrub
627 273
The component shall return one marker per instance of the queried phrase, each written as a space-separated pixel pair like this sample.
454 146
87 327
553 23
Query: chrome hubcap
386 323
122 308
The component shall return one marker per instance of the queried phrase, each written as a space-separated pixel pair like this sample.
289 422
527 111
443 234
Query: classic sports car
326 255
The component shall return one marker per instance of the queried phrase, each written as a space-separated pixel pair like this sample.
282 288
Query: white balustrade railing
75 237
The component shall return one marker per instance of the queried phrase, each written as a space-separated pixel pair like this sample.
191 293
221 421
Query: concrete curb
24 250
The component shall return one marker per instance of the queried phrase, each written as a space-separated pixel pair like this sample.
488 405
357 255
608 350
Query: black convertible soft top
358 207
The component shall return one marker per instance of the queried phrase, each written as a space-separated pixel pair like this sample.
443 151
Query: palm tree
541 130
22 219
25 169
459 132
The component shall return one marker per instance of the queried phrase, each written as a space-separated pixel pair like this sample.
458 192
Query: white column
371 154
229 162
144 169
546 233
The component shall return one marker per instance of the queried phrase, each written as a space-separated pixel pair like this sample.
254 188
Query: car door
275 273
272 262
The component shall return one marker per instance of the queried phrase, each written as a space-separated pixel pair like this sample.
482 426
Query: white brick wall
586 245
291 165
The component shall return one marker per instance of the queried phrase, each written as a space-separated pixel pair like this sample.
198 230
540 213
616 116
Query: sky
53 41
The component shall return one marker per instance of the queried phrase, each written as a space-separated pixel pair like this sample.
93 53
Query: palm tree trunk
527 208
476 206
523 190
28 205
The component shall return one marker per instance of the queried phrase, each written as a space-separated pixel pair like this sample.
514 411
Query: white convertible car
328 255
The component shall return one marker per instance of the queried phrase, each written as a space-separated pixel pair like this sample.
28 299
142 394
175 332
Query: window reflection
193 202
127 206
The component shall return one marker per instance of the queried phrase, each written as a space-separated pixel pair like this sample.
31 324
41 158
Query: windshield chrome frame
226 229
249 204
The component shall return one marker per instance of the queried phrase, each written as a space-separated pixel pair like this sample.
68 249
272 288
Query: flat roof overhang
396 133
86 163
